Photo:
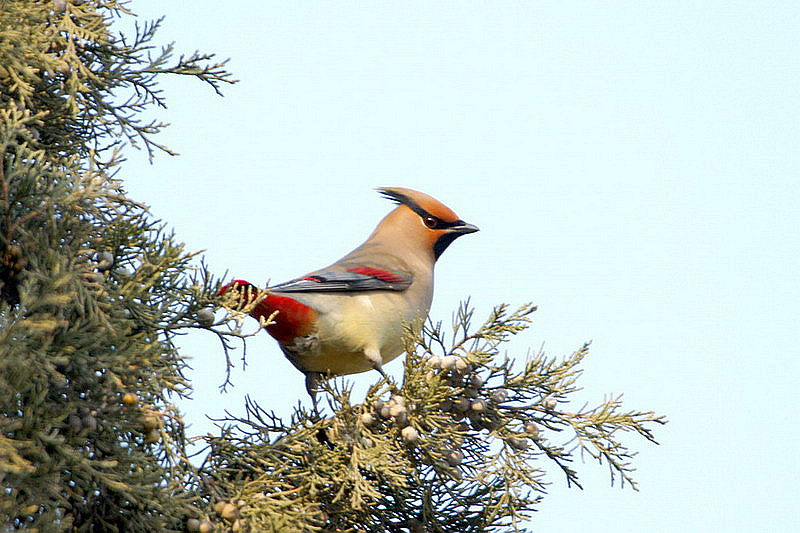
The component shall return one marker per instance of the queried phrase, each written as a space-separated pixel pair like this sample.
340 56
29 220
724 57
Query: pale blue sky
633 167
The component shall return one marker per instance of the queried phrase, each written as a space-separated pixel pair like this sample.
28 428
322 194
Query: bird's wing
353 279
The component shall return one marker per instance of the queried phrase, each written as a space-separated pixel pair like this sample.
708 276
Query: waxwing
352 316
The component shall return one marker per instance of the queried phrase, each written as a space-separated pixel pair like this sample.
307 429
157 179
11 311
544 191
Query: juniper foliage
93 291
463 443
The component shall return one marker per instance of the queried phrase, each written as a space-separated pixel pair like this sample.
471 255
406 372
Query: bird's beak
463 228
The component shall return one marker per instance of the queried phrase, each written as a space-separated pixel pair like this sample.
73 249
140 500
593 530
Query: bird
353 316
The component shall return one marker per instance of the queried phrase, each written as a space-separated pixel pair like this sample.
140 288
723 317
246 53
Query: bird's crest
419 202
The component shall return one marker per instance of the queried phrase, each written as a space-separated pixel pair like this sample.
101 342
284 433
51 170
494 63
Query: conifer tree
93 290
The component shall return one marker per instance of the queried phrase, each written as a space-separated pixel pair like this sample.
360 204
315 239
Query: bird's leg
381 372
374 357
313 381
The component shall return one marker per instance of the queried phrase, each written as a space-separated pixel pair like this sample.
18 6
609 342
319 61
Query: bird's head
423 219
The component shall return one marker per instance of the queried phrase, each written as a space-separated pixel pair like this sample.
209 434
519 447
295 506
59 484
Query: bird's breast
348 325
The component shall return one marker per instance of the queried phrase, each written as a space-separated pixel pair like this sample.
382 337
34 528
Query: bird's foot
386 378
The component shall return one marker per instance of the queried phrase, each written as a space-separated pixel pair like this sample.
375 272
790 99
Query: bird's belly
362 322
337 363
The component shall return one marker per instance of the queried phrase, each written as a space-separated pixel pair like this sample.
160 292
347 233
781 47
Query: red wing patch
377 273
356 279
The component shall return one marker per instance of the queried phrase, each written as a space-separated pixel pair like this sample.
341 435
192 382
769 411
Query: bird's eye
430 221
